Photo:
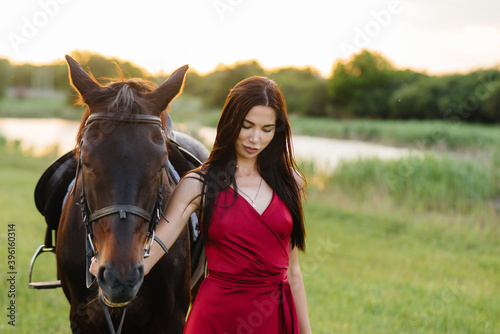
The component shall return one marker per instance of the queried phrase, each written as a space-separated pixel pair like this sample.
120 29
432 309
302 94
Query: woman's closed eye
266 130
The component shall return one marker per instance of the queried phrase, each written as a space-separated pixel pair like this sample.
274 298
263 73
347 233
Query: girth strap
120 209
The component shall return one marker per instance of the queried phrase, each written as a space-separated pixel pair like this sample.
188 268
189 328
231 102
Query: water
326 153
42 136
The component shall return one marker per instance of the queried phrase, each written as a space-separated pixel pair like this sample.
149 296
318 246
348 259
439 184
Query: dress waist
246 281
264 284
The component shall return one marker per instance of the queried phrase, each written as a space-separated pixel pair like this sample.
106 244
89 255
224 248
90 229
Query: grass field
38 107
425 135
375 263
406 246
36 311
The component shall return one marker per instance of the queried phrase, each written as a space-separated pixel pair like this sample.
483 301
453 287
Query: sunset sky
439 36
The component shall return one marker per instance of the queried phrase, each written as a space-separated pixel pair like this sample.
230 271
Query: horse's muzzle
118 288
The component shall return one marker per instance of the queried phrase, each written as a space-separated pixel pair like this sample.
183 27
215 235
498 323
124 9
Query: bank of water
41 136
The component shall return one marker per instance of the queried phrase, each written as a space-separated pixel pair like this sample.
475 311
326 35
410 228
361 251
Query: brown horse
123 183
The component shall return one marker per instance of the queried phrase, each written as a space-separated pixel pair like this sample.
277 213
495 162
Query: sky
433 36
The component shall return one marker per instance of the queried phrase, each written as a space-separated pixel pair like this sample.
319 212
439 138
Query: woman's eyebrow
252 123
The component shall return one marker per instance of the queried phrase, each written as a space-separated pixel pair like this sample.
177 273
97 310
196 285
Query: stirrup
42 285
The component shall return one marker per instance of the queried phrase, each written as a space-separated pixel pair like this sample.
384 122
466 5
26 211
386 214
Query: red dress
246 290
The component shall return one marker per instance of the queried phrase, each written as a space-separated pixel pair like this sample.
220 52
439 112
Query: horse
124 184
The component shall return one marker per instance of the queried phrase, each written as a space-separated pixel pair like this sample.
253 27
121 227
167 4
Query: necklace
250 198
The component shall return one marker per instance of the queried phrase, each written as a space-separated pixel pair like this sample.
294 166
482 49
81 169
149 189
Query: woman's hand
93 267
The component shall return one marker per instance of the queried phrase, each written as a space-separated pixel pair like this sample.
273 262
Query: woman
249 195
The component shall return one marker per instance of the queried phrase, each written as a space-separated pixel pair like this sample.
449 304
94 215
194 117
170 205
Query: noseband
122 210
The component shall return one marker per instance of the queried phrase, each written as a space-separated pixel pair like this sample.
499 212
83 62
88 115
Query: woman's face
256 133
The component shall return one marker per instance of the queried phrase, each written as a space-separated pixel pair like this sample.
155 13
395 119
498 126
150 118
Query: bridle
152 217
122 210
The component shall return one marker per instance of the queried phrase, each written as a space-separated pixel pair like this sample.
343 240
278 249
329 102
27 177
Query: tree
457 97
218 83
361 86
304 90
490 96
22 74
418 100
5 76
61 81
105 68
194 83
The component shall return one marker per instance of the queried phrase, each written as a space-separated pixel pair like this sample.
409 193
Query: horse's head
123 159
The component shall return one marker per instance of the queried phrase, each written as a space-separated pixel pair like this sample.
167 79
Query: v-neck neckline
250 204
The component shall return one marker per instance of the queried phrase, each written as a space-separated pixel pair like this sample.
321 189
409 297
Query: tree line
367 85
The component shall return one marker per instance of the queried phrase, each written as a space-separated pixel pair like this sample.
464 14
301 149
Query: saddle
57 180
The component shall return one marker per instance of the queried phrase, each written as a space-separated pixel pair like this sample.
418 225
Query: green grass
418 254
38 107
408 260
373 272
37 311
372 265
423 183
189 111
405 246
424 135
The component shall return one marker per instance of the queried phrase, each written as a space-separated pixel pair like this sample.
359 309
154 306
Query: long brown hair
275 163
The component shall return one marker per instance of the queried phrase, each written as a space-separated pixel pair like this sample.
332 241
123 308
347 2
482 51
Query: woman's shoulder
189 189
192 179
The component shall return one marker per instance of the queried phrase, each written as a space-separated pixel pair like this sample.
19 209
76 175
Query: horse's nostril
100 274
108 276
140 270
119 287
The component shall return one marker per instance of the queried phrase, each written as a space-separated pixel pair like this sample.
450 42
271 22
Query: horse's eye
158 137
88 166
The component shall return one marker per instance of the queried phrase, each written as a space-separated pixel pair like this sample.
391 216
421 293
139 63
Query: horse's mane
120 97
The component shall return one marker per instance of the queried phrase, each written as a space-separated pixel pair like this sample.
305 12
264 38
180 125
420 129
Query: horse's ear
82 82
168 90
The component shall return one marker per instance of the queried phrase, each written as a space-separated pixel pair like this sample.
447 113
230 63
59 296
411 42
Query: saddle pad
53 186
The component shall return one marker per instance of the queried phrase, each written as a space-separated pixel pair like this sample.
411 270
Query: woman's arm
184 201
295 277
298 292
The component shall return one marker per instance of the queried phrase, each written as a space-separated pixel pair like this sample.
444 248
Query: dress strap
288 308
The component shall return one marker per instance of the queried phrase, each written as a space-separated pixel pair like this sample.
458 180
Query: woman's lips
250 150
